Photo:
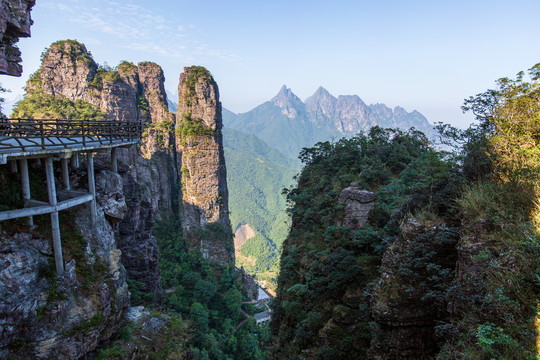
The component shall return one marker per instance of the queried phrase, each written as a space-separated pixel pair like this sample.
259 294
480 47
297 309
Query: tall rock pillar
205 210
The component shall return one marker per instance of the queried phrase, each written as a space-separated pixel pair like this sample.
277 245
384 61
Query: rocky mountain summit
15 23
290 104
146 190
288 124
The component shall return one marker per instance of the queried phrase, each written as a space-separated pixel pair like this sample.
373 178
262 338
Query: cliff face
205 217
15 23
148 174
42 317
409 298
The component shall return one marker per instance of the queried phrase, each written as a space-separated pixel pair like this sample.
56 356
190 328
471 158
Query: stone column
114 159
91 186
65 174
55 224
26 186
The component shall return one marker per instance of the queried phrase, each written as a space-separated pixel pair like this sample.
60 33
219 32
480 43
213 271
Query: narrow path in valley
243 321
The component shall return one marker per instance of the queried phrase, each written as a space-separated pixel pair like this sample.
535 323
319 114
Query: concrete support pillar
55 224
13 166
92 186
75 161
65 174
26 186
114 159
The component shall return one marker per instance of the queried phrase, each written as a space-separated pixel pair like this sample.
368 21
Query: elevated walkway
35 138
22 140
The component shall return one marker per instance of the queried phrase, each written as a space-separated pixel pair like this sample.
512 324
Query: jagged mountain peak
290 104
351 99
285 97
321 117
321 92
320 95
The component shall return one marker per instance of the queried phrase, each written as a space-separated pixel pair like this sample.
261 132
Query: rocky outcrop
409 298
15 23
110 195
69 320
358 203
148 173
42 317
205 213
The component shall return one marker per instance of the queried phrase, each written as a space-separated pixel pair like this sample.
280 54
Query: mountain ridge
289 124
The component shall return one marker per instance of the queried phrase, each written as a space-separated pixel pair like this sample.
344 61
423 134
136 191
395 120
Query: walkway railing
40 133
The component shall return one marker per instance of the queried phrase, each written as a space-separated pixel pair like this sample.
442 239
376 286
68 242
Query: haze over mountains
289 124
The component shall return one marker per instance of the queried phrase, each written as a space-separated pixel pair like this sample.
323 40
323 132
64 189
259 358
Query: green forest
452 242
203 304
256 175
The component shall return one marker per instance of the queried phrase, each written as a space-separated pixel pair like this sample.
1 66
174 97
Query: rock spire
205 215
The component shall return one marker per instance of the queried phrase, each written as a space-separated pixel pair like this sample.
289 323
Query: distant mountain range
289 124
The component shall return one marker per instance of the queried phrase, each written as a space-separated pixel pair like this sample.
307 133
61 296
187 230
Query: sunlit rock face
205 209
148 173
15 22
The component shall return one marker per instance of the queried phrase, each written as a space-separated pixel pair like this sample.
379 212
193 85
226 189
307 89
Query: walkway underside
30 139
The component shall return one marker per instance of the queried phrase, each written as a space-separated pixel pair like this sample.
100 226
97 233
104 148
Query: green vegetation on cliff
104 73
328 269
201 313
190 128
40 105
497 290
125 66
195 73
74 49
447 266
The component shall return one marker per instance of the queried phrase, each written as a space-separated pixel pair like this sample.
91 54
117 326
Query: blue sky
421 55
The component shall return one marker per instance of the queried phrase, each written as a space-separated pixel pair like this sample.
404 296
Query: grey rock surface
205 197
15 22
358 204
41 315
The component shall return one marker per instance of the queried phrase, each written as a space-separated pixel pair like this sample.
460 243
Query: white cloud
135 27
